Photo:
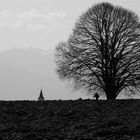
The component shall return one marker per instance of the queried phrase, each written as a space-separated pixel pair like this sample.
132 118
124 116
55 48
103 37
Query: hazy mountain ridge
23 72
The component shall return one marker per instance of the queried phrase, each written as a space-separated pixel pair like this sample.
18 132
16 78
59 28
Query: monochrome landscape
69 70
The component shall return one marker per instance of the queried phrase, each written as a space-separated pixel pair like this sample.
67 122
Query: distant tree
96 95
103 51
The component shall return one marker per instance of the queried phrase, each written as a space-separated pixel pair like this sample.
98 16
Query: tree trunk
111 96
111 89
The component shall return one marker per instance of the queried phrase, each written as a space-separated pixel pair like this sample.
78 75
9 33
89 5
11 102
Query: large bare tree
103 51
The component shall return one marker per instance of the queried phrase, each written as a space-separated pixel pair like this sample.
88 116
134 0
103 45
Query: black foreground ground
70 120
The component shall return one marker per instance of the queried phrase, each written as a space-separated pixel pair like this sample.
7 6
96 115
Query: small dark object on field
96 95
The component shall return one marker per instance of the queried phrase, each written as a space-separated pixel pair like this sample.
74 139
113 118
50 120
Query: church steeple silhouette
41 98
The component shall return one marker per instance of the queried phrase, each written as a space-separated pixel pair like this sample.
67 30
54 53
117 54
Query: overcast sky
43 23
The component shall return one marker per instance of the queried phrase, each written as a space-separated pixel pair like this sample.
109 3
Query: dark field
70 120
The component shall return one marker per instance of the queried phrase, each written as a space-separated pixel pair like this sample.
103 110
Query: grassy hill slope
70 120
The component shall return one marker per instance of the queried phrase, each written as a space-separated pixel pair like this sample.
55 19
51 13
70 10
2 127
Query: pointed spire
41 98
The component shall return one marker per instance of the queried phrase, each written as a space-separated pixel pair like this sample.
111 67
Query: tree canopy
103 51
